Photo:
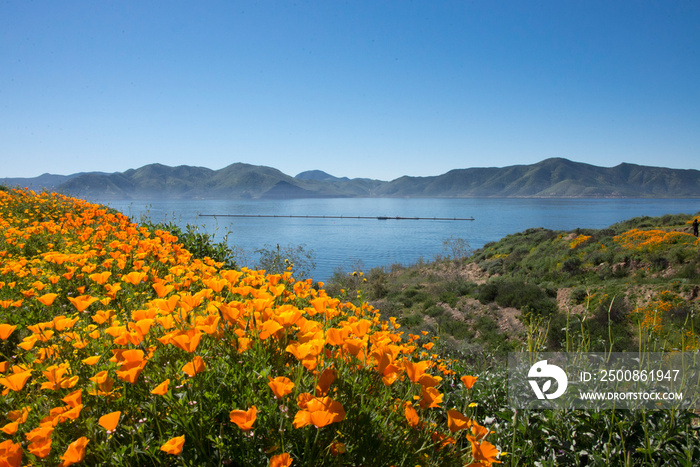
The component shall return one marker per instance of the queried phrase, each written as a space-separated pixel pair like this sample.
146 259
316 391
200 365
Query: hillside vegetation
126 344
644 272
631 287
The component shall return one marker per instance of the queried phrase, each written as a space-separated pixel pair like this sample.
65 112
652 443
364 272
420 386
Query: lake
365 243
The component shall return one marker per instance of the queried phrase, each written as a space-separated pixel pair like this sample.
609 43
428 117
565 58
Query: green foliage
457 248
606 282
200 244
518 294
276 260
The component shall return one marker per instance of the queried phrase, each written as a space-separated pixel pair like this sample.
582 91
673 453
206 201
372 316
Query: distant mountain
237 181
45 181
318 175
551 178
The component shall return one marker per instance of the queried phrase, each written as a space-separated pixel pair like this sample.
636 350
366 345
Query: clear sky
374 88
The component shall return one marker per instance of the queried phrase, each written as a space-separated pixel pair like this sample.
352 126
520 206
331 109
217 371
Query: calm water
345 242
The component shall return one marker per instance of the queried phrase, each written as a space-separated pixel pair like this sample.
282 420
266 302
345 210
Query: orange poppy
281 386
74 399
174 445
91 360
162 388
82 302
319 412
484 451
61 323
161 289
280 460
307 351
469 380
104 384
288 316
207 324
28 342
47 299
10 429
56 379
231 311
215 284
197 365
456 421
355 346
244 418
75 452
100 277
131 363
110 421
361 327
112 289
431 397
479 432
11 453
324 381
101 316
141 327
415 370
41 447
134 277
243 344
335 336
69 414
6 330
43 431
269 328
429 380
411 415
16 381
384 356
19 416
186 340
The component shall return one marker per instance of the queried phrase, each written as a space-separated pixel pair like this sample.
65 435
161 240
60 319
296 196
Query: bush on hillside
518 294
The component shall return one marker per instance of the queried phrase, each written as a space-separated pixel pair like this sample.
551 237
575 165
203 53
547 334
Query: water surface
342 243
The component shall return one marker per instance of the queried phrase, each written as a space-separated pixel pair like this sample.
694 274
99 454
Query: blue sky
374 89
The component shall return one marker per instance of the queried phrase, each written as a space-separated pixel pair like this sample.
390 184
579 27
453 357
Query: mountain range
551 178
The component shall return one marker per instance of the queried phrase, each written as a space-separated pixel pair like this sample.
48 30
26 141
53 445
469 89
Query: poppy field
119 347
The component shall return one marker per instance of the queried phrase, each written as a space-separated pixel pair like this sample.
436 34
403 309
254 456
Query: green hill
556 177
605 280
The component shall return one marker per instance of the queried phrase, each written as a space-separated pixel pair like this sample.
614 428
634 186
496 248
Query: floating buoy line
380 218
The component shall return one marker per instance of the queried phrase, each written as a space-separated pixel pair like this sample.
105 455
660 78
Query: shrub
277 260
448 297
518 294
579 295
572 266
200 244
457 248
434 311
378 280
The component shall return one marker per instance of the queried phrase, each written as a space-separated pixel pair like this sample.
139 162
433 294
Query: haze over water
366 243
